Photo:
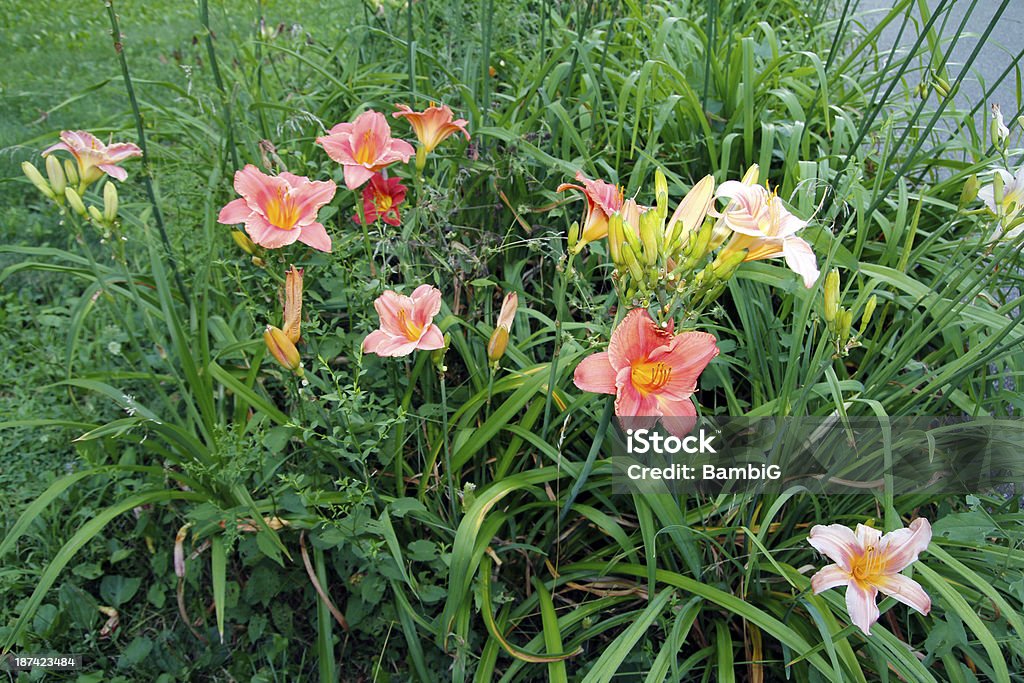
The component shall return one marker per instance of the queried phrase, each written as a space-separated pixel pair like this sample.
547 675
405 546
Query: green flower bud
36 178
970 190
96 214
831 295
650 233
71 171
56 175
869 309
110 201
844 320
574 237
75 201
631 261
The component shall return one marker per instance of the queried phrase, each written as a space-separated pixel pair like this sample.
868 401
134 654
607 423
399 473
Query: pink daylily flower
651 371
765 228
95 158
867 562
603 199
279 210
433 125
364 147
381 197
406 323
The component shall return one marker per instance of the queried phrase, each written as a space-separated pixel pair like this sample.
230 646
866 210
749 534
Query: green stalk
147 173
204 18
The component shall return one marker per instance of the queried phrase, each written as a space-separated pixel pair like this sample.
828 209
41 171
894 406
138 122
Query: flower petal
631 403
234 212
800 259
114 171
356 176
266 235
687 355
679 416
836 542
901 547
431 339
595 373
905 590
374 340
829 576
636 338
860 603
315 235
867 537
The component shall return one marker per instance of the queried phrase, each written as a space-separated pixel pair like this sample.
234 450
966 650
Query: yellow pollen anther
282 211
367 151
650 377
411 329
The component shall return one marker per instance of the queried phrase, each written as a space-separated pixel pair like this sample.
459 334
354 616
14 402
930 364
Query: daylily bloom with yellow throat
406 323
651 371
1011 200
94 158
364 147
765 228
279 210
867 562
433 125
603 199
381 197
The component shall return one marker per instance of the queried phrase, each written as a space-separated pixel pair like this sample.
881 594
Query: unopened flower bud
997 188
36 178
282 349
574 237
293 304
632 263
110 201
437 355
74 201
844 321
421 158
970 190
998 128
96 214
631 224
615 238
243 242
661 193
71 172
497 344
727 262
689 216
56 175
869 309
831 295
650 236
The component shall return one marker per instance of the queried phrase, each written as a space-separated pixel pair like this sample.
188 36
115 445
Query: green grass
430 500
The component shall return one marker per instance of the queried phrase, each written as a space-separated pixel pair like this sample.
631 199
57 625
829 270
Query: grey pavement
1004 43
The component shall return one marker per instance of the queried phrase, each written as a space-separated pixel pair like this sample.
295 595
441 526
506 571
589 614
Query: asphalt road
1004 43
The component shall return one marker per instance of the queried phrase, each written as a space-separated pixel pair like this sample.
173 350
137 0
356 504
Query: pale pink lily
432 125
651 371
93 157
603 199
765 228
867 562
279 210
406 323
1012 199
364 147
